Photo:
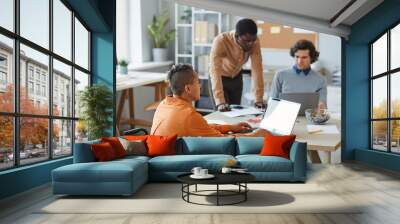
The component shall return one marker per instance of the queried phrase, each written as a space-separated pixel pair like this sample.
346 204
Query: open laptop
280 116
307 100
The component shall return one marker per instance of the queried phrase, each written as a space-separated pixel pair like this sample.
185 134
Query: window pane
35 21
62 29
81 81
33 139
395 94
395 47
81 45
62 89
81 131
6 74
379 98
6 142
379 55
395 136
7 14
34 97
379 135
62 138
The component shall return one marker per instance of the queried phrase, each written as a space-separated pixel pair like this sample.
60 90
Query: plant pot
160 54
122 69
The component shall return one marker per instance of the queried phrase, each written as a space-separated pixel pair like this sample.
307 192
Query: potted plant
161 37
96 102
123 66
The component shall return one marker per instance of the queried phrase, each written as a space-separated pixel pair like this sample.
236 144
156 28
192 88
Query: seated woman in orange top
176 114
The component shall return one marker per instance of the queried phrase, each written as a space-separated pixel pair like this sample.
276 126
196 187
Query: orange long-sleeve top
176 116
227 59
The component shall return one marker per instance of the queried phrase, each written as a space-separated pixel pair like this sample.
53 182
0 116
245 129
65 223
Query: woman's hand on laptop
241 127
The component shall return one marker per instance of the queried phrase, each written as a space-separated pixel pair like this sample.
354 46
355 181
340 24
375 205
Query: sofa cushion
249 145
116 145
103 152
161 145
206 145
185 163
257 163
277 145
135 147
112 171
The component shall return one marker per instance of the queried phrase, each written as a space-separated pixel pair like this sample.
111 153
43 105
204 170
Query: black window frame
388 74
16 115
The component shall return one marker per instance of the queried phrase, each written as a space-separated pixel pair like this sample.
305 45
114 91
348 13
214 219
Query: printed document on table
322 129
242 112
217 122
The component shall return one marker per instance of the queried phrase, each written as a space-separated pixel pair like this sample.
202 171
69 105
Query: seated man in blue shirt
301 78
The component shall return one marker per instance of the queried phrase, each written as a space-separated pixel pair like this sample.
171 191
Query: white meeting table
324 143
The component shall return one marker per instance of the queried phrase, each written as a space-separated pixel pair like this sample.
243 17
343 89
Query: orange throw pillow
135 137
161 145
277 145
103 151
116 145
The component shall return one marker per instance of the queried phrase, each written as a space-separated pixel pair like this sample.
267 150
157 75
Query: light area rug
167 198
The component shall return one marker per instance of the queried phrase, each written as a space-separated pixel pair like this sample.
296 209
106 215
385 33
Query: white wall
330 54
133 16
330 51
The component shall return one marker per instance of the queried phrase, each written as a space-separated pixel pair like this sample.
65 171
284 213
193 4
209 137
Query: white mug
226 170
203 172
196 170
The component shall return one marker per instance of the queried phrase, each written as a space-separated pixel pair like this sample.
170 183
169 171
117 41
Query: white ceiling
320 9
315 15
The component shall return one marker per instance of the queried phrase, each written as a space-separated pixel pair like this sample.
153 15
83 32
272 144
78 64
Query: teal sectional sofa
125 176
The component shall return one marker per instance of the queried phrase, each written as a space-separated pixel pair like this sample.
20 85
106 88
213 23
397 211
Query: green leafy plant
123 62
157 31
96 102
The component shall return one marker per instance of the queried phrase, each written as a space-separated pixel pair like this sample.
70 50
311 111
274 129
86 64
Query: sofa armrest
298 155
83 153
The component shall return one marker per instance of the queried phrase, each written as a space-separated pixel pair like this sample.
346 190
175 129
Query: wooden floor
377 188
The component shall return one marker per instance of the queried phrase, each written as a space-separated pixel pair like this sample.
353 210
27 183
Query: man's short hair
246 26
179 76
305 45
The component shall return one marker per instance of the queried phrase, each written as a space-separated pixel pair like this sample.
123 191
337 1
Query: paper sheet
322 129
242 112
216 122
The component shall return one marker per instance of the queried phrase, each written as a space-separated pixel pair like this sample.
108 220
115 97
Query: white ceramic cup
196 171
203 172
226 170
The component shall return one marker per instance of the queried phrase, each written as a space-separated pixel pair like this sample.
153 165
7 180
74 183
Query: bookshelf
195 31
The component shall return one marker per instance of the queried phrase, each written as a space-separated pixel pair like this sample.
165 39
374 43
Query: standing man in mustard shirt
229 52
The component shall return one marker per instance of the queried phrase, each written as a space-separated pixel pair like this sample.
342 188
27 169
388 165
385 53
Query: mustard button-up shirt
227 59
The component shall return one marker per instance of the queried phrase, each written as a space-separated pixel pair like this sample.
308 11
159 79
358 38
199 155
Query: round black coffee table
238 179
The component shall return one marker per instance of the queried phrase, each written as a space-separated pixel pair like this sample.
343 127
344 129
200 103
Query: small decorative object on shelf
123 67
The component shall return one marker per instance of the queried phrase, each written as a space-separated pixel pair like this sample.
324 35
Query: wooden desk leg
313 156
131 107
119 109
157 94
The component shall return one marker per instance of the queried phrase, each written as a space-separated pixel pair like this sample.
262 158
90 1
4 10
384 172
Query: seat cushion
185 163
112 171
257 163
